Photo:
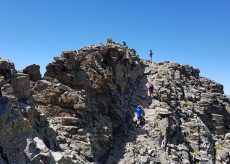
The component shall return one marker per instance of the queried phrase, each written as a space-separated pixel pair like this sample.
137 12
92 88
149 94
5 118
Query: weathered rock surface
34 72
81 111
81 95
21 125
187 122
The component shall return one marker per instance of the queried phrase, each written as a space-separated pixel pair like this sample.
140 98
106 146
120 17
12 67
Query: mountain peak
82 111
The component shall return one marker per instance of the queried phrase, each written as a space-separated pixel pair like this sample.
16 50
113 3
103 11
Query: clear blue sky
194 32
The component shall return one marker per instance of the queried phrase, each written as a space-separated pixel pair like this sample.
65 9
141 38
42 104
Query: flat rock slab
162 111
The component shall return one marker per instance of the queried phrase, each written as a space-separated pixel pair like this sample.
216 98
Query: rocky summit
82 111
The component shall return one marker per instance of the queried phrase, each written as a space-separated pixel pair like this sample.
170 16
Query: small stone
185 161
144 159
222 154
150 152
80 131
142 151
227 136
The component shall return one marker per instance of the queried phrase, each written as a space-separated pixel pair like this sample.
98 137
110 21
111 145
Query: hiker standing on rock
124 43
139 116
151 55
151 90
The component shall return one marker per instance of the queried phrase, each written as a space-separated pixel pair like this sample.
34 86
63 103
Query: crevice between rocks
3 155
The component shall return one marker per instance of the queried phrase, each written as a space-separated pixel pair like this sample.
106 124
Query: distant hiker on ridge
151 56
123 43
110 41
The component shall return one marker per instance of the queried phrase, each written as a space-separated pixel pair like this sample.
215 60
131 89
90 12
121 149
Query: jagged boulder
21 86
13 129
34 72
6 68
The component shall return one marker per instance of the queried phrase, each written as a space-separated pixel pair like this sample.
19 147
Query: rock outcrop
81 111
187 122
82 95
34 72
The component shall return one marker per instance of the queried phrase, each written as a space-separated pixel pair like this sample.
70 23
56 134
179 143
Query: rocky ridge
187 122
81 111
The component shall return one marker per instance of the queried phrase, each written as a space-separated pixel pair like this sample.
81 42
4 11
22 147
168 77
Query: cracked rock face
81 111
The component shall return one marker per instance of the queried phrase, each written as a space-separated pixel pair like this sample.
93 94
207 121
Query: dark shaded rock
3 105
7 68
34 72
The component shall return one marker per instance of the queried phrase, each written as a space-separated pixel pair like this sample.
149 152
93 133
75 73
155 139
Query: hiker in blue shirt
139 112
139 119
123 43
